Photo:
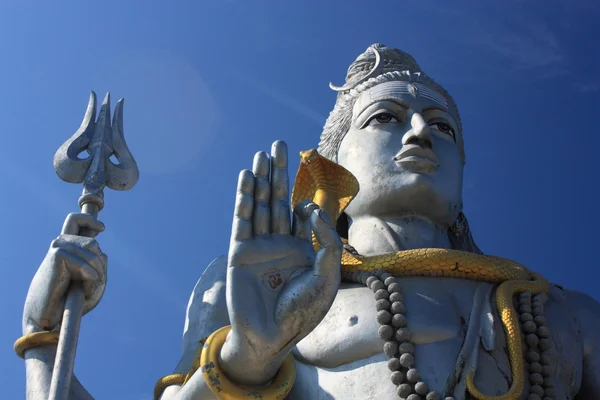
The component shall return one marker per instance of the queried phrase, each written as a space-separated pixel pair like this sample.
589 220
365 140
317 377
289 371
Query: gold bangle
166 381
35 339
225 389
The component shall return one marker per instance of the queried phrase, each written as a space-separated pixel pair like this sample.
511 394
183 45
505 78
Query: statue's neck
375 235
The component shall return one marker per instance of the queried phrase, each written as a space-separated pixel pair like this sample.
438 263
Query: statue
375 289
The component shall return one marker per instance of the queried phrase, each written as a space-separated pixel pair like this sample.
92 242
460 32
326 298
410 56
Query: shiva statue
365 283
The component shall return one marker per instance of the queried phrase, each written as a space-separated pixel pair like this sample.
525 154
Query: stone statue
374 290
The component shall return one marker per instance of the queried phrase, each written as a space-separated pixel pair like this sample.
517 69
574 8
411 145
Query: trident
101 140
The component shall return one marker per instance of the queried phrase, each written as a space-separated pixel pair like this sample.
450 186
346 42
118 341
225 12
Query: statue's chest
439 317
436 310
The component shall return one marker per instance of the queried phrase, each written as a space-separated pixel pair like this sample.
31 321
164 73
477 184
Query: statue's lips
413 152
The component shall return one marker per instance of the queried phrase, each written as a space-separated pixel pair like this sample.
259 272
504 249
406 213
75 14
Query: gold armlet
166 381
34 340
225 389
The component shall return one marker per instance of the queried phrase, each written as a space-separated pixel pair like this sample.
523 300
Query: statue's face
403 147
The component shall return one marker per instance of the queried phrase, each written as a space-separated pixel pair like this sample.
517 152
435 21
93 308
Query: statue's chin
412 193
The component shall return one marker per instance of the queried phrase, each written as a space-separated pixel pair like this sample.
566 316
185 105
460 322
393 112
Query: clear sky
208 83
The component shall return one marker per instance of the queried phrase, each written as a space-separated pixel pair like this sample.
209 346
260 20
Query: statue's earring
460 225
460 235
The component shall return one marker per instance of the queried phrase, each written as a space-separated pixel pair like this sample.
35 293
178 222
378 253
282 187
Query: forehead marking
400 88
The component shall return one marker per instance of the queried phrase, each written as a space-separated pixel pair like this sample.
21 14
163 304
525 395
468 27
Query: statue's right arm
70 257
73 257
206 312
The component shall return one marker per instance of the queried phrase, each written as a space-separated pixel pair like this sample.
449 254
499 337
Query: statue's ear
460 235
342 226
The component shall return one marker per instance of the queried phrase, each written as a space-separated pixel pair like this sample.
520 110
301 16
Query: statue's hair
397 66
392 65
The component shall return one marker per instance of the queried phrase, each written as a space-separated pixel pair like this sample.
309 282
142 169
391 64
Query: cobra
332 187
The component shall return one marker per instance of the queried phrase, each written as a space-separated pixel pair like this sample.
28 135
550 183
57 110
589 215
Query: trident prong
100 140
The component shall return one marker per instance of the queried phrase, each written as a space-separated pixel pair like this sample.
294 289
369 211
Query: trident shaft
100 140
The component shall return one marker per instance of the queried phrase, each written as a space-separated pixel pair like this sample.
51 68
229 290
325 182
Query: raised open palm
278 288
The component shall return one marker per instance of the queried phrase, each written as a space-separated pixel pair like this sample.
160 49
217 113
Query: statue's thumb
328 258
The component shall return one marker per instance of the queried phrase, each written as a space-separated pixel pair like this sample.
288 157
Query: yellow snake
332 187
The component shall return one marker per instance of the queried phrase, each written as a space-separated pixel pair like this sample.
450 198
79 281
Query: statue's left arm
588 316
270 291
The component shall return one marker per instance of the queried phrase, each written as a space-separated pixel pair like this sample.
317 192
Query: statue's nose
419 133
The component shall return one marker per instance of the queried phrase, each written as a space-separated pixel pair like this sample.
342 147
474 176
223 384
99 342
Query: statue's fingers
75 221
261 214
329 257
244 204
82 264
84 242
301 226
78 264
74 268
91 301
280 187
71 244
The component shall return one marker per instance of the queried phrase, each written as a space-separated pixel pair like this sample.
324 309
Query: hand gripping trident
101 140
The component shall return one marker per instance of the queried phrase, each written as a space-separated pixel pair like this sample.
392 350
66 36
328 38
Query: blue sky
208 83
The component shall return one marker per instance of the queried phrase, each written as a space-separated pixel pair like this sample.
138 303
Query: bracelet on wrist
222 387
35 339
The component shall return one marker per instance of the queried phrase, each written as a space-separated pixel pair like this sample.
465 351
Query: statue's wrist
246 366
30 327
257 376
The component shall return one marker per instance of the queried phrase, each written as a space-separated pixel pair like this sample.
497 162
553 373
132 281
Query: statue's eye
444 128
382 118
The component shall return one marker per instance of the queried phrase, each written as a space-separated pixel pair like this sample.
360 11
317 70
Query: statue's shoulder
212 278
582 303
207 302
583 308
206 310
